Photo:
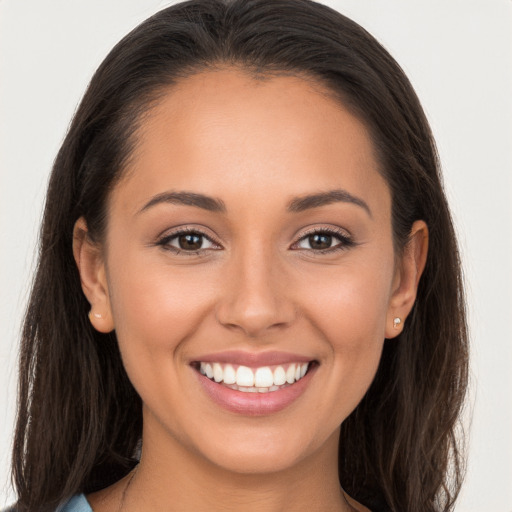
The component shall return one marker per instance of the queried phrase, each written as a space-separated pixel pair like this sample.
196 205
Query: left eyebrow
299 204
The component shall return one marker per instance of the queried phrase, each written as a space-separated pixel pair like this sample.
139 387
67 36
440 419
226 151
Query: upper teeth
263 377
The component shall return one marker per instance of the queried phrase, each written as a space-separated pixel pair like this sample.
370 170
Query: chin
251 452
256 461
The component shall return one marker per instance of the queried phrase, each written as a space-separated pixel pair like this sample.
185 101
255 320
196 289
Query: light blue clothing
78 503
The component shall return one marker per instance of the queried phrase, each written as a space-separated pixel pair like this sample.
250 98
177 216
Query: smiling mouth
264 379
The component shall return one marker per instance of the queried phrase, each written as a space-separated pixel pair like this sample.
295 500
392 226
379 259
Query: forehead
224 127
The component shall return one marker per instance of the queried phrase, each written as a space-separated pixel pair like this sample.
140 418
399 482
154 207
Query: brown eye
320 241
190 242
187 241
324 241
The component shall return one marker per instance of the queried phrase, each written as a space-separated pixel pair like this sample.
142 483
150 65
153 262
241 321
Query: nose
254 298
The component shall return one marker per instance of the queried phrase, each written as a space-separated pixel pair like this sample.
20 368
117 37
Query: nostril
254 318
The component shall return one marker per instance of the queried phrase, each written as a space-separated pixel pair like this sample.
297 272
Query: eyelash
165 241
345 241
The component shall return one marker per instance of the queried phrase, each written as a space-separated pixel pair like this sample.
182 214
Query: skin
260 286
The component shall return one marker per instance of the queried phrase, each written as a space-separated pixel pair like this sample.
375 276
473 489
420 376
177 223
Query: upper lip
252 359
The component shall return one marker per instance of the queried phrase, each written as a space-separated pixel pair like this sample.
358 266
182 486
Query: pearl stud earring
396 322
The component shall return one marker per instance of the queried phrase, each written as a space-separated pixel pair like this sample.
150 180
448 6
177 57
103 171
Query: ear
407 277
91 267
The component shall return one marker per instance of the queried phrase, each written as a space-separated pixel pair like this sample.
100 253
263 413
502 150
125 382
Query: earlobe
91 267
407 278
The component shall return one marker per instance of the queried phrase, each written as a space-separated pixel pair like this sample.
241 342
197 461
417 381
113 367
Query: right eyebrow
186 198
300 204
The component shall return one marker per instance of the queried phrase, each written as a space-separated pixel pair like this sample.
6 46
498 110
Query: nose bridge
254 299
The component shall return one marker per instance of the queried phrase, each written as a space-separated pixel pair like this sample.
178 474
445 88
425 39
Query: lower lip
254 404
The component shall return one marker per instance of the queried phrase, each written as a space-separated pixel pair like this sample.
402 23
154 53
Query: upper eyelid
336 231
345 240
169 234
173 233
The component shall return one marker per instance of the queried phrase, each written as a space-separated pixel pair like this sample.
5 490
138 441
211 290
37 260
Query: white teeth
244 376
279 376
218 374
229 375
258 380
248 389
264 377
290 374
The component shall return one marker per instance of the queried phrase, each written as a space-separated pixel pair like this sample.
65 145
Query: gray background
458 55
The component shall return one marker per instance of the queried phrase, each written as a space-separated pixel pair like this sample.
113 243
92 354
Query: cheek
155 306
156 310
352 306
349 310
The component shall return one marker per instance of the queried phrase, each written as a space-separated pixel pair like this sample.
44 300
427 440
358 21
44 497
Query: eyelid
168 235
345 238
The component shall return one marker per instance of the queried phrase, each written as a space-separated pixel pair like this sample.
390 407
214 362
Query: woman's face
249 239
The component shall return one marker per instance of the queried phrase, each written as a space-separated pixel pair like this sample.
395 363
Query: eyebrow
307 202
188 199
296 205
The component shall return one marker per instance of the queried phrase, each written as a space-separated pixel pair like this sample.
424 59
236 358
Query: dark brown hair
79 419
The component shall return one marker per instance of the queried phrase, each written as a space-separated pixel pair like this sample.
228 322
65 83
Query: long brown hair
79 418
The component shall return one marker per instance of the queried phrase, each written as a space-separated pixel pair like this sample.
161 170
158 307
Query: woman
249 292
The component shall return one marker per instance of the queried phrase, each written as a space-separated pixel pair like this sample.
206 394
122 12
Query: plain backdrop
458 55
